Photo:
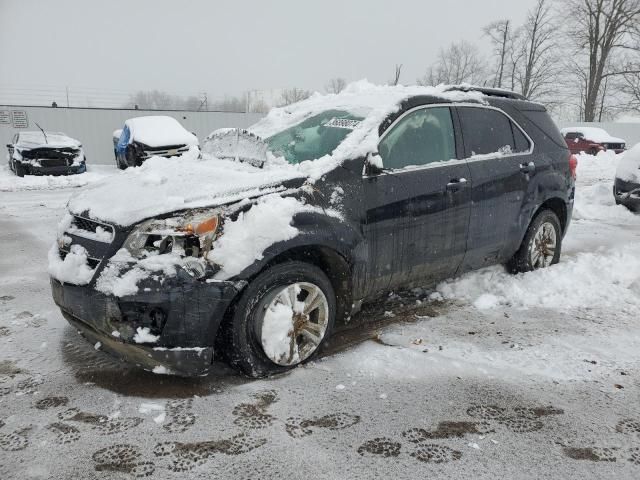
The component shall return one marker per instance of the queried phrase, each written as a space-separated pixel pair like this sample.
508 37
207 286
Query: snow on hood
159 131
30 140
594 134
629 167
163 185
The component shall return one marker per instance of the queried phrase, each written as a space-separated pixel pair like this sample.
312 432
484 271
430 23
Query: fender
545 185
316 229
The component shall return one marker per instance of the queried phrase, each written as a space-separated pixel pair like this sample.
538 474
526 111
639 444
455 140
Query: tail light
573 166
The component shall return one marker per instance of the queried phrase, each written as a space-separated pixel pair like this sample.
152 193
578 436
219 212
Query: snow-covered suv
255 255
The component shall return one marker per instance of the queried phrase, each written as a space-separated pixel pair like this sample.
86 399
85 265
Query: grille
88 225
55 162
614 146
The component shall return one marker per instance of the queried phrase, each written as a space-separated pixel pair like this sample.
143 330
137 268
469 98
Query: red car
591 140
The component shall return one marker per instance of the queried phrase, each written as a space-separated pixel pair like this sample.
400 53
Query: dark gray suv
382 190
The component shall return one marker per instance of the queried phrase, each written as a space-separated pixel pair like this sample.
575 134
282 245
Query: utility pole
67 89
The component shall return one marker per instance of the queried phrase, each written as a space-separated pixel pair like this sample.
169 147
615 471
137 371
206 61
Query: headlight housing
188 235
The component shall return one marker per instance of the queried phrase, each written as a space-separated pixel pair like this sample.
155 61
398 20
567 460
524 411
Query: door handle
528 167
456 184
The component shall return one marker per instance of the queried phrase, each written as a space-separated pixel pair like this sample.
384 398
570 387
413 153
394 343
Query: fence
94 126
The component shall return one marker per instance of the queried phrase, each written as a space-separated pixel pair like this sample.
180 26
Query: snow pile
590 279
159 131
73 269
594 188
10 182
597 135
629 166
246 238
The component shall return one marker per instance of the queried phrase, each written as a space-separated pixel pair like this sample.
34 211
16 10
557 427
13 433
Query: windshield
313 138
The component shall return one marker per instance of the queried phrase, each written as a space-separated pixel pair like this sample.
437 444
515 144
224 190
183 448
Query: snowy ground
533 376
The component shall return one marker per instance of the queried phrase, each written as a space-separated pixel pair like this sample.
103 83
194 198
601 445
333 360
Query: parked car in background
145 137
370 190
626 189
45 153
591 140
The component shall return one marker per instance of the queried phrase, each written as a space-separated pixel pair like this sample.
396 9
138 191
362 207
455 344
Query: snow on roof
36 139
594 134
159 131
374 103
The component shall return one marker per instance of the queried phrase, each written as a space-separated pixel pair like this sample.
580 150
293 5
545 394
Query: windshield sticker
342 123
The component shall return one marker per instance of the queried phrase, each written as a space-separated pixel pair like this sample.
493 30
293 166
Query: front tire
541 245
282 319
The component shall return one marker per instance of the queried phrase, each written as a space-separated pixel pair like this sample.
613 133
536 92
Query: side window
423 136
488 131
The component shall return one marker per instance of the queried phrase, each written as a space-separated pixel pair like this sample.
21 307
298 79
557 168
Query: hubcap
294 323
543 247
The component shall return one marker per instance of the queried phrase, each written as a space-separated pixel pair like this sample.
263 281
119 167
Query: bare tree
459 63
293 95
335 85
396 76
500 33
600 32
536 71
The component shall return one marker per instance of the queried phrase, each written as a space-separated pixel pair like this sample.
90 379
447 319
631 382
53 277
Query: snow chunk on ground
144 335
73 269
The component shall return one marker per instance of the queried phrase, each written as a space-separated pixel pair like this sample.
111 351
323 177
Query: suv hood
161 186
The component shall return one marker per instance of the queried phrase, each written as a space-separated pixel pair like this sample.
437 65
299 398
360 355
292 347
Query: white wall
94 126
628 131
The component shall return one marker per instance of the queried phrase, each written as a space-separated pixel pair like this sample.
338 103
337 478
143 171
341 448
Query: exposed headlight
190 235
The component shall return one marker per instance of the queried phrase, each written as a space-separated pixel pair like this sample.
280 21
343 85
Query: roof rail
490 92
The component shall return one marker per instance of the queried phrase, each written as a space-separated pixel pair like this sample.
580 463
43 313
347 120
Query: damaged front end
146 293
51 160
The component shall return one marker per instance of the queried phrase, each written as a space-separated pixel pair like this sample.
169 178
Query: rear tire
541 245
246 340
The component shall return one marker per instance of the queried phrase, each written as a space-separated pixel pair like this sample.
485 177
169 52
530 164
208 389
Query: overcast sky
186 47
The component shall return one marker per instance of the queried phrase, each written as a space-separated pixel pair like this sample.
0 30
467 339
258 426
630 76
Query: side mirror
374 164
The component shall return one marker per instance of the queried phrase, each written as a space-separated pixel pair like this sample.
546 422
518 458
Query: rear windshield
313 138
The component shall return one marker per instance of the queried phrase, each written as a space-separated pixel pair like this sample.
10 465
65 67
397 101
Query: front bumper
61 170
627 194
184 313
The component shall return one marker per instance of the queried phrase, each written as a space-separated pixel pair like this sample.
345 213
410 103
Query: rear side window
487 131
422 137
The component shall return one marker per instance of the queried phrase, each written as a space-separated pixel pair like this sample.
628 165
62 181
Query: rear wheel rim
543 246
300 311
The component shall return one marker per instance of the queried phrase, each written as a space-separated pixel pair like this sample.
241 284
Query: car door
498 155
416 212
